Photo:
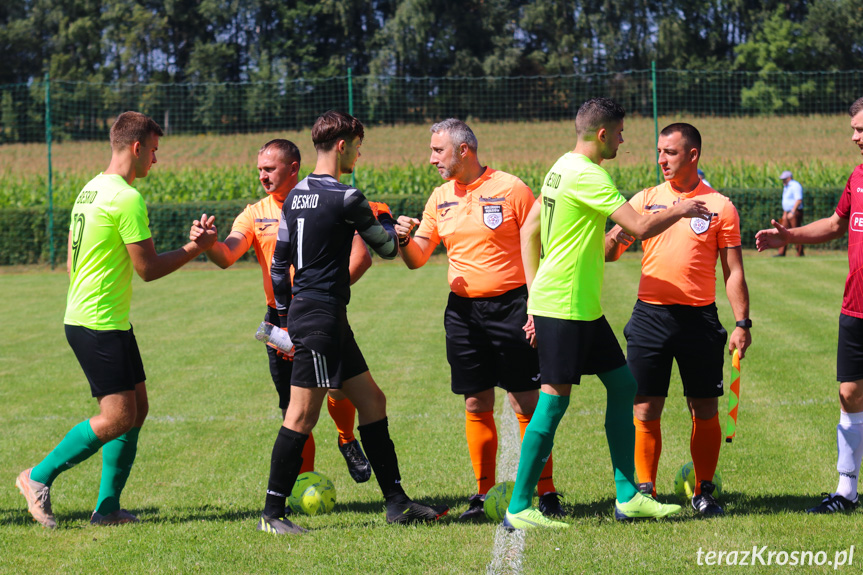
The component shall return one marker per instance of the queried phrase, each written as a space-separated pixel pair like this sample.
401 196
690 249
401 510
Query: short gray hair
856 107
459 132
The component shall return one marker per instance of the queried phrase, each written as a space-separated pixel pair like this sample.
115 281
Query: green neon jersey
107 215
577 197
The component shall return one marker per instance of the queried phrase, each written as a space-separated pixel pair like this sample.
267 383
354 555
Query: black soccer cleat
475 510
647 488
358 464
409 511
832 503
549 505
705 503
279 526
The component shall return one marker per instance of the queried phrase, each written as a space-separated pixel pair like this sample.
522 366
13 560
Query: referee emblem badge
492 216
698 225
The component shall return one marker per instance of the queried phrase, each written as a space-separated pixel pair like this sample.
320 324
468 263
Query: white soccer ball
313 494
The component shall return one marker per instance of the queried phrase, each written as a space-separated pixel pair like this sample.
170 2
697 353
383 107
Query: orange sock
704 447
648 448
481 435
343 413
546 478
308 455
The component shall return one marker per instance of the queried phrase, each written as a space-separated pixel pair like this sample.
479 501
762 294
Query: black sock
381 452
285 466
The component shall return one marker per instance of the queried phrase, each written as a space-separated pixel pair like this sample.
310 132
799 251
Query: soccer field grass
199 480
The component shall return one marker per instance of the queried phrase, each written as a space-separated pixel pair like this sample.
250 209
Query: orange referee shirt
679 265
479 226
259 223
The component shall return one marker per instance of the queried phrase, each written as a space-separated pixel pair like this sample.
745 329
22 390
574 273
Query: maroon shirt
851 207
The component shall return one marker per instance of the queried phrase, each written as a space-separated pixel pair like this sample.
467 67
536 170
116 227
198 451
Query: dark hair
856 107
459 133
332 126
691 136
289 151
597 113
131 127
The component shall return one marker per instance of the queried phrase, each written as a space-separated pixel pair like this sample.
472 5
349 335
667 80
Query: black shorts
486 346
280 369
326 353
693 336
571 348
110 358
849 353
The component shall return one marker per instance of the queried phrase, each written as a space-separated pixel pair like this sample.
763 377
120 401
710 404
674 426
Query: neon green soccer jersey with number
577 197
107 215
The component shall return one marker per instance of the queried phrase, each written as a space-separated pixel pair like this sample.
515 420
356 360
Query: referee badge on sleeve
492 216
698 225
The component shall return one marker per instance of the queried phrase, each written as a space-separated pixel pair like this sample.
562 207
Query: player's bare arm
223 254
419 249
649 225
361 259
817 232
151 266
738 296
530 242
616 242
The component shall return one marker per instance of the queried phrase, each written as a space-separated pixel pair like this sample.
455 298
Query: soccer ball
684 481
497 500
313 494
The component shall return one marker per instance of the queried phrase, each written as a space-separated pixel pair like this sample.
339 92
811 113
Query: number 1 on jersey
301 222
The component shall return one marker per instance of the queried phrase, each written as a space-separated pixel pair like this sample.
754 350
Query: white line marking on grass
508 547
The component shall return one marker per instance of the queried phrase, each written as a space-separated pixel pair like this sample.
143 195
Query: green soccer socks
79 444
536 447
620 389
117 459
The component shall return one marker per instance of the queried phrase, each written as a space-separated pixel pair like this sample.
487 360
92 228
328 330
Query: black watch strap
744 323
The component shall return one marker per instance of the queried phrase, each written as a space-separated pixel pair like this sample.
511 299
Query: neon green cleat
529 519
643 507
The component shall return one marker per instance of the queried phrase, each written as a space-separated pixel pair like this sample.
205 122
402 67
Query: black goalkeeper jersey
316 230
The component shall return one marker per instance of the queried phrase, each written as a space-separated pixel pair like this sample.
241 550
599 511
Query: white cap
785 174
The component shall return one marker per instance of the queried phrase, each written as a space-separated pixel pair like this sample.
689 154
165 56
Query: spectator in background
701 176
792 208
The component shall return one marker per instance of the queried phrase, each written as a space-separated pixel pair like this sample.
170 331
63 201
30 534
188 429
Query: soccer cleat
832 503
647 488
530 518
409 511
38 496
705 502
643 507
118 517
549 505
278 526
475 510
358 464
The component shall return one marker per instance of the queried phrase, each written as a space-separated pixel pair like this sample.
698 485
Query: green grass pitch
198 484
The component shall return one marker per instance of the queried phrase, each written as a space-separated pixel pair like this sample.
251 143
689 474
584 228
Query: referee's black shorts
849 353
280 369
325 351
693 336
110 358
571 348
486 345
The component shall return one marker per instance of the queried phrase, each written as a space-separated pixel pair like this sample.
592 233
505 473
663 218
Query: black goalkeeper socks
381 452
285 466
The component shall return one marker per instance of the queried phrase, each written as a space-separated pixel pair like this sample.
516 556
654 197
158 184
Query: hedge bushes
24 231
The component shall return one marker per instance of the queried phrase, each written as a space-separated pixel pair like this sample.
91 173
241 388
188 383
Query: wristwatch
744 323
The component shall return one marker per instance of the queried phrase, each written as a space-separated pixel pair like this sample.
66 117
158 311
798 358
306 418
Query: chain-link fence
50 111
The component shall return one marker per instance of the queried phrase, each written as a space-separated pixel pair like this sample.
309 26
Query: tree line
180 41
